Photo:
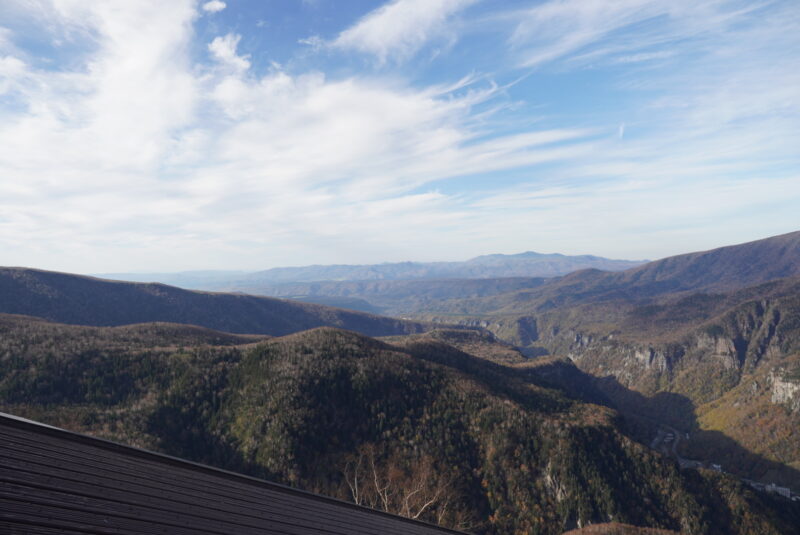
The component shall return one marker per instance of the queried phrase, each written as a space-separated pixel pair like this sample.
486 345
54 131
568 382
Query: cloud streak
624 29
151 143
145 151
398 29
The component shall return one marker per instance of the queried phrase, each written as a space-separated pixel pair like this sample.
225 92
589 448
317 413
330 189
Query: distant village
666 441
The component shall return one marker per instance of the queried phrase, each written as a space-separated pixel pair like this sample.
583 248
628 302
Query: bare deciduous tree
412 489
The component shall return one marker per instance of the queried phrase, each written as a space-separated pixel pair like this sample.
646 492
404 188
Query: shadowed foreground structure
55 481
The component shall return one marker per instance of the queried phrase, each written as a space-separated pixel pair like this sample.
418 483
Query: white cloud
400 28
224 50
657 217
81 147
118 105
131 151
144 154
11 70
214 6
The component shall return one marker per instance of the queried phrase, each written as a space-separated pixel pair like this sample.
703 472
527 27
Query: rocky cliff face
695 364
783 391
701 363
675 347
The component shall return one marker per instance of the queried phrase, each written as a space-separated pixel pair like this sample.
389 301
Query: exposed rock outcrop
785 392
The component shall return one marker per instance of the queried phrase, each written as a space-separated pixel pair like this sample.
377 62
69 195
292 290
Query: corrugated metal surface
54 481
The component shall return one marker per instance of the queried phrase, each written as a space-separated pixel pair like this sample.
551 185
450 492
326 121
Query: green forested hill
390 425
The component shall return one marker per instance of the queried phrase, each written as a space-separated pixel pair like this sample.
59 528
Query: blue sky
248 134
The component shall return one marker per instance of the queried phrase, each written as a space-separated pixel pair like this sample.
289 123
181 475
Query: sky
249 134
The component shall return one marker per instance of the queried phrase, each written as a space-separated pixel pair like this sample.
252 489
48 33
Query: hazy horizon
242 134
411 261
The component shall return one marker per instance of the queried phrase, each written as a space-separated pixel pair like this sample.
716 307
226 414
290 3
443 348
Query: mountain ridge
717 270
85 300
526 264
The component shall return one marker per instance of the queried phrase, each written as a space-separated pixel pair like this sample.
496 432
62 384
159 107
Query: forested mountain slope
708 362
390 425
731 267
683 333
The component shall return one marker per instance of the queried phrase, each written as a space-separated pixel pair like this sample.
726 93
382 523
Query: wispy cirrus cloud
147 151
192 149
399 28
621 29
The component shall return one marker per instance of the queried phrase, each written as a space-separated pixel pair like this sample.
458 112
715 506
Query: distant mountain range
528 264
726 268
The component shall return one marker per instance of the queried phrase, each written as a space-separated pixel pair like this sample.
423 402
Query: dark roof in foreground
55 481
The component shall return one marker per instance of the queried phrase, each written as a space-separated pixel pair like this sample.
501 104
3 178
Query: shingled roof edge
25 423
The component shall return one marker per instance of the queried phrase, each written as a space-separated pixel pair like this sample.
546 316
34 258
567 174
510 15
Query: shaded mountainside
676 347
394 425
573 316
762 413
672 361
750 431
43 333
89 301
744 325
